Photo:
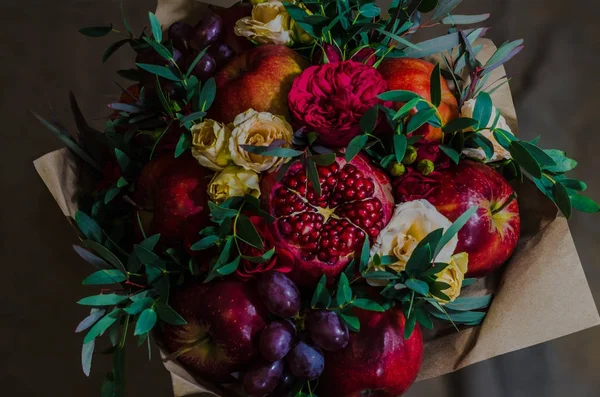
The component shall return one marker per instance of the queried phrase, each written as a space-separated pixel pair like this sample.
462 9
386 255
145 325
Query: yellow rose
269 23
258 129
232 182
476 153
300 34
454 276
209 144
410 223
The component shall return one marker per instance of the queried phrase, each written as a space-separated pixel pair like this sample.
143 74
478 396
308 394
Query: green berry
410 156
425 167
397 169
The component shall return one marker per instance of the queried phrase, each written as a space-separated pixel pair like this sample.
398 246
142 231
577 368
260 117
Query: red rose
330 99
282 261
415 186
431 151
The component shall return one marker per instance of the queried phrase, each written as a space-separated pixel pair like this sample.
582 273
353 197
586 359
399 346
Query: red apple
224 321
171 194
378 361
491 235
415 75
258 79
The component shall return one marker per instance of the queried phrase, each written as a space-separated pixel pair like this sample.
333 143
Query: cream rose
232 182
499 152
454 276
269 23
210 144
411 223
258 129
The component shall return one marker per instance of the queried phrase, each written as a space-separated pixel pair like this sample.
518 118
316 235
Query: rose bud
365 56
327 54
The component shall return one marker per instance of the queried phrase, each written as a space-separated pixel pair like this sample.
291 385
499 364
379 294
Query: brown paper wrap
541 295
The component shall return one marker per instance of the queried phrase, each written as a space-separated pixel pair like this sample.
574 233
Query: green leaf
261 259
368 121
540 156
470 303
584 204
426 6
420 287
95 315
423 318
368 304
88 227
365 254
246 232
370 10
101 326
96 31
419 119
323 159
161 71
343 292
100 277
147 257
460 124
156 28
436 86
503 54
444 8
562 199
409 327
468 281
145 322
205 243
160 50
464 19
122 159
485 144
563 163
483 110
313 176
208 93
92 259
167 314
302 18
504 138
195 62
352 322
102 300
230 267
321 295
113 48
105 253
184 143
355 146
407 107
400 145
138 306
460 317
150 242
574 184
399 39
455 228
525 159
381 276
420 259
450 152
398 96
282 152
191 117
87 352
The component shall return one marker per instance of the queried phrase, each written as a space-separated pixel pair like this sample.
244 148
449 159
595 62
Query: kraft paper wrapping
542 293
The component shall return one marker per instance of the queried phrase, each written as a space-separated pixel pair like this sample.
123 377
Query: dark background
555 86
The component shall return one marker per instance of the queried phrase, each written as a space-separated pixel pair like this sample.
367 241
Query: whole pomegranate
323 232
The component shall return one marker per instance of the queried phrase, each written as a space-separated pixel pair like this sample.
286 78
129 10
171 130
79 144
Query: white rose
499 152
233 182
411 222
269 23
453 275
258 129
210 144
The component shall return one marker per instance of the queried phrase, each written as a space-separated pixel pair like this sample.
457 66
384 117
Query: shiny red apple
492 233
172 198
224 321
378 361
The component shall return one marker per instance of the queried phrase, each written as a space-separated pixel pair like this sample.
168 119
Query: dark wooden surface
42 57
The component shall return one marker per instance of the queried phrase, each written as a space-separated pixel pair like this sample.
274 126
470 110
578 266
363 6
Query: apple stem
186 349
512 197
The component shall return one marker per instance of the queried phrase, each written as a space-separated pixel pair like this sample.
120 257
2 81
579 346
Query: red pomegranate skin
323 233
488 238
230 314
378 361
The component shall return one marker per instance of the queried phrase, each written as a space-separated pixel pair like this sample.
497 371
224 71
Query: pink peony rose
330 99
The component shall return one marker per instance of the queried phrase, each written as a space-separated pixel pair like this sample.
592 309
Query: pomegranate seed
322 256
361 195
367 222
350 181
325 243
350 193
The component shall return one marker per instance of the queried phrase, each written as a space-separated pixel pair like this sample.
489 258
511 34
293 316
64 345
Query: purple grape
263 378
305 361
280 294
327 330
179 33
285 385
205 67
276 340
207 32
222 53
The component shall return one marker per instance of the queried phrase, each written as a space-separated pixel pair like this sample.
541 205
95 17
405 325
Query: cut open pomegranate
324 232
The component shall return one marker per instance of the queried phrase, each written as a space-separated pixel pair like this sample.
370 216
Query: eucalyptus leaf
562 199
525 159
102 300
146 321
102 325
208 93
460 124
139 306
368 304
584 204
96 31
161 71
398 96
419 119
91 258
436 86
105 253
469 303
450 152
321 295
113 48
87 352
167 314
95 315
205 243
229 268
455 228
563 163
156 27
355 146
419 286
183 144
88 227
465 19
483 110
342 297
246 231
113 276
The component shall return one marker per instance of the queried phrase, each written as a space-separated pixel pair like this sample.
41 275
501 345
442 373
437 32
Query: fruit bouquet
298 199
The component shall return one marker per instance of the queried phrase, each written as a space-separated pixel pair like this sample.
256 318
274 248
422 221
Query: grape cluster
187 43
288 356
